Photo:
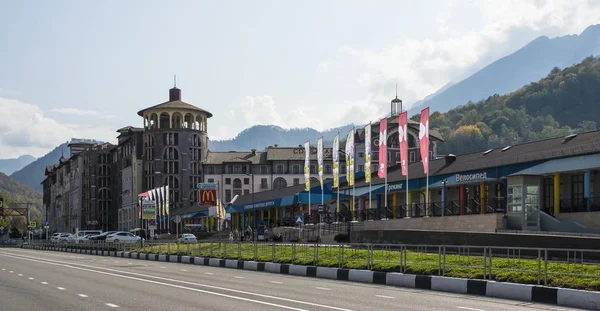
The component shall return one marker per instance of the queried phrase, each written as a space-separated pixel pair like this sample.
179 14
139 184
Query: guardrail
572 268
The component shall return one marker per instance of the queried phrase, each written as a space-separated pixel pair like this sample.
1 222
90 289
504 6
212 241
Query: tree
586 126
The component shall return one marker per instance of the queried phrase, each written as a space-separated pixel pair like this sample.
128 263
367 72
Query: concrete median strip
521 292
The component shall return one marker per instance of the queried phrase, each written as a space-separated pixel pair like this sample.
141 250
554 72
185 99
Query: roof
236 157
176 104
130 128
188 210
269 195
559 147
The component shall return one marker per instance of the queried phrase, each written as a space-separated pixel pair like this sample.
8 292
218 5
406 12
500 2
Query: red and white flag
424 139
403 139
382 172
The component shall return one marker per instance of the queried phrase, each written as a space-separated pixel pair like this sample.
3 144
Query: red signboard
208 197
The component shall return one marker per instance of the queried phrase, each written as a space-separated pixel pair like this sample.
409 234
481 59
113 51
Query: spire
396 104
175 83
396 89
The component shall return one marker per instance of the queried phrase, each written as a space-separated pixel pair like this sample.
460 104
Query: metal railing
574 268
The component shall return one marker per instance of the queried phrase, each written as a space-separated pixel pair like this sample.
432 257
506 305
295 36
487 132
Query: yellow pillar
482 198
262 215
395 203
269 216
409 207
556 193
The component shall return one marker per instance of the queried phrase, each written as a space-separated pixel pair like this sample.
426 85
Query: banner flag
307 165
382 172
403 139
368 153
424 139
350 158
320 160
336 161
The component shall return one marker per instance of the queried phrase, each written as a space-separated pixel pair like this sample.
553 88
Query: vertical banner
382 172
403 139
368 153
336 161
424 139
350 158
159 200
320 160
307 165
167 200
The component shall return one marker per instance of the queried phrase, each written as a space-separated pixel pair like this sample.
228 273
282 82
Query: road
38 280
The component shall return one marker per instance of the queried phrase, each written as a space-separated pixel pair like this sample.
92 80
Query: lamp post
444 182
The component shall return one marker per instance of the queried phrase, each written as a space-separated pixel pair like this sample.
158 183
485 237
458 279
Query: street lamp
444 182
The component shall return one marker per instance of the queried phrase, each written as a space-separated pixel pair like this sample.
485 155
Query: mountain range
528 64
9 166
514 72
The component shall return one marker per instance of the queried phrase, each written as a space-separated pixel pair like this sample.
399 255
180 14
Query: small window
361 154
411 157
246 191
296 181
397 157
228 181
246 181
296 169
211 180
361 168
313 169
279 169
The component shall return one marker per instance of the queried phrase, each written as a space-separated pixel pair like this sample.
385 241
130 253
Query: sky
84 69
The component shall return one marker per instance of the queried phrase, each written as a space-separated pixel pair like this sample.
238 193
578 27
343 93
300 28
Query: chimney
253 151
450 159
174 94
275 146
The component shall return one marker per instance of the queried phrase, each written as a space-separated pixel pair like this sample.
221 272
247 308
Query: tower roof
175 102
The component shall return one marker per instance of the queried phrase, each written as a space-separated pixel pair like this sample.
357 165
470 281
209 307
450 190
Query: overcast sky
84 68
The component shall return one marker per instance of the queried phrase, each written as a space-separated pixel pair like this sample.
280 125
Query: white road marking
209 273
163 267
129 263
122 274
31 278
239 277
11 272
61 288
19 274
82 295
3 269
45 283
183 270
323 288
276 282
387 297
472 309
112 305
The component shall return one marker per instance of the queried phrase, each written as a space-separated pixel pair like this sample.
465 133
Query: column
395 207
363 208
587 180
262 215
277 216
443 200
462 199
269 217
482 198
556 193
409 207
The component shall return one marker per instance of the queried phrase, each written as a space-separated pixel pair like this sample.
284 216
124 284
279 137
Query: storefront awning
579 163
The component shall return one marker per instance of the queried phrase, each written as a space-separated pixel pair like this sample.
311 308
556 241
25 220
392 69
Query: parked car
187 238
60 238
102 237
123 237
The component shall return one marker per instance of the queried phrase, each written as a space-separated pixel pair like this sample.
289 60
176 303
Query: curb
522 292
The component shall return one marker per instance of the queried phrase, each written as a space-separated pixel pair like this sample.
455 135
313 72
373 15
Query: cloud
26 130
422 66
82 112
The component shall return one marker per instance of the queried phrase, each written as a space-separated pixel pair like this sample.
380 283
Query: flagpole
352 172
337 204
370 173
407 208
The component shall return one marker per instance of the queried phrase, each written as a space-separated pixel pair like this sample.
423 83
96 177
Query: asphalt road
38 280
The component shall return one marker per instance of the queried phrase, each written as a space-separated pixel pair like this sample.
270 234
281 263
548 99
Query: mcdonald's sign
208 197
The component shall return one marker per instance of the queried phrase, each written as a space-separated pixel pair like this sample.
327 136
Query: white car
187 238
60 237
123 237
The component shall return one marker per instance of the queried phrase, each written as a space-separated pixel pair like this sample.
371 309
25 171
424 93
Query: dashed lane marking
61 288
82 295
386 297
31 278
323 288
112 305
471 309
239 277
45 283
276 282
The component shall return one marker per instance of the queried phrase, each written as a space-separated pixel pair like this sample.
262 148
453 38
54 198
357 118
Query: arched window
412 142
279 183
195 140
172 181
314 182
393 141
171 154
237 183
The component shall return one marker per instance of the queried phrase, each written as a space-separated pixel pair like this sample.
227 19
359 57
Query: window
314 182
237 183
263 169
430 155
296 181
548 194
361 154
343 169
237 169
328 169
246 191
279 168
228 181
211 180
171 139
263 183
361 168
246 181
296 169
389 157
313 169
411 157
375 155
227 195
577 189
279 183
210 170
171 154
397 157
374 168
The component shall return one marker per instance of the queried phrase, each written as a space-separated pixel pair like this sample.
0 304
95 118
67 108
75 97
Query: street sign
299 220
46 224
148 209
177 219
32 224
46 227
320 209
208 197
205 186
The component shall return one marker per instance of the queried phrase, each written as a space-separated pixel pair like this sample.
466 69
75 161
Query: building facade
98 186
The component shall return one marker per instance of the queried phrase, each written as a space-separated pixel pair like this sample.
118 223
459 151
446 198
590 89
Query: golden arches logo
208 196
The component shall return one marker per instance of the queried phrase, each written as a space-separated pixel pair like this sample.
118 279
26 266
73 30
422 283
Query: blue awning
563 165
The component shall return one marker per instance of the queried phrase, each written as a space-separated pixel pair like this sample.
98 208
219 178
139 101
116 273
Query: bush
342 238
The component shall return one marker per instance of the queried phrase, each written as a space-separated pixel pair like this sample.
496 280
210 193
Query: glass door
532 207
